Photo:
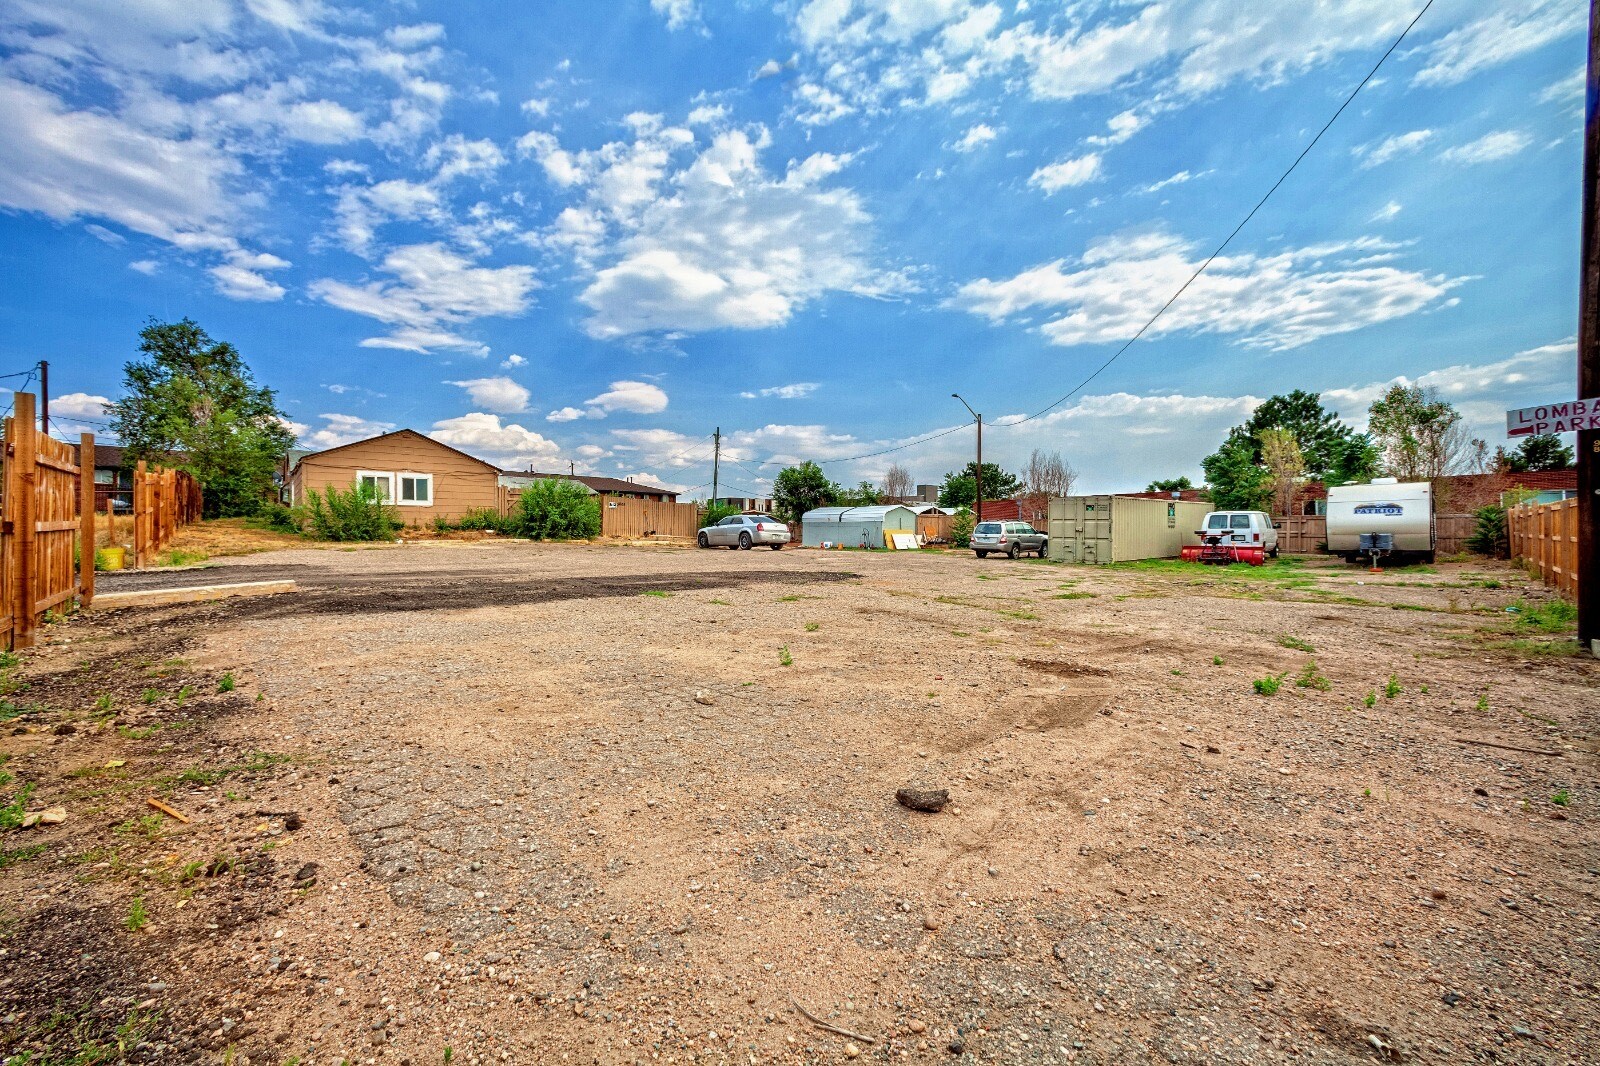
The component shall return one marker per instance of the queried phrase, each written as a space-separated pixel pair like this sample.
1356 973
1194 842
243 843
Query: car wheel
744 542
981 555
775 547
1044 549
1015 550
705 541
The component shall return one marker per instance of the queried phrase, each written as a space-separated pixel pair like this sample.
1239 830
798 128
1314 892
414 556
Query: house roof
597 484
385 436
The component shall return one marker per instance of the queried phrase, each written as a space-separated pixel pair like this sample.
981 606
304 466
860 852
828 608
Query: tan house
421 477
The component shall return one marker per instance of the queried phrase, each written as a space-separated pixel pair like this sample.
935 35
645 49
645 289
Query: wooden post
86 518
26 485
141 514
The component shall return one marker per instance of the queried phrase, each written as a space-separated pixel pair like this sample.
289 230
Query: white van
1252 529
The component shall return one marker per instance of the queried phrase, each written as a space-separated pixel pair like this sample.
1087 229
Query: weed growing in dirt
1310 677
1367 792
179 557
148 826
197 776
812 627
102 703
1269 685
449 1053
11 813
784 658
1296 644
1562 798
722 603
184 694
12 856
1073 596
227 684
1483 702
143 732
137 917
1551 616
1021 616
6 776
1391 687
1216 660
150 695
959 633
1370 699
790 599
659 593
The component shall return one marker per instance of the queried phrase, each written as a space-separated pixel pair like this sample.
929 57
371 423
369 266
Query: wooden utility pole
1589 357
977 514
716 462
44 397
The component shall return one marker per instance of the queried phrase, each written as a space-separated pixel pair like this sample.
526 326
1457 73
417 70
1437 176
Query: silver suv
1012 538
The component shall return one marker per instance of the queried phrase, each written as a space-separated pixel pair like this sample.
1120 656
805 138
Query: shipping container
1120 529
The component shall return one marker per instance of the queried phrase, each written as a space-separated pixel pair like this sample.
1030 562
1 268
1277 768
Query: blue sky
592 233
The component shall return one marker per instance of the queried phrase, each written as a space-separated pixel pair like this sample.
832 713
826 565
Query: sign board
1567 417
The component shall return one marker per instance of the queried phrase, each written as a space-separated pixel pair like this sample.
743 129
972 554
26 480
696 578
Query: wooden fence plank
623 517
23 450
1544 537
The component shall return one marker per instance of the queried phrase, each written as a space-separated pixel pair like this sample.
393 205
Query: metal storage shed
855 527
1119 529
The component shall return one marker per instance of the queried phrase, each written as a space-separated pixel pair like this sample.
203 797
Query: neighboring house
113 482
422 478
515 480
747 504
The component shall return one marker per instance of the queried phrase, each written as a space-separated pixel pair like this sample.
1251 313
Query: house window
416 489
380 481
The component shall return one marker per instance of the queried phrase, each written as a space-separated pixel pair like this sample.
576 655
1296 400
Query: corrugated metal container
855 527
1120 529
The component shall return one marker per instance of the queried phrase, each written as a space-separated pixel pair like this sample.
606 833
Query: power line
1242 223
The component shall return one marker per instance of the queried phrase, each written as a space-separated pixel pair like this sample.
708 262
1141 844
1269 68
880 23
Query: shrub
1489 536
1269 685
717 512
961 528
481 519
276 516
551 509
355 514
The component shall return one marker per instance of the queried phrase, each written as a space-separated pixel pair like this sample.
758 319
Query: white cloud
434 292
237 283
658 447
1067 172
1490 148
340 429
566 414
679 13
1482 392
715 242
78 405
1514 29
1180 178
1120 127
976 137
1386 212
1277 301
708 115
1379 152
799 390
506 445
100 233
146 267
817 105
639 397
499 394
512 361
1568 91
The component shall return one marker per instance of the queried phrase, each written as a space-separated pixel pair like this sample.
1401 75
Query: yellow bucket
111 558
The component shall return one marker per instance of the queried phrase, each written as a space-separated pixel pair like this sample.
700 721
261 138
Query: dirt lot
519 803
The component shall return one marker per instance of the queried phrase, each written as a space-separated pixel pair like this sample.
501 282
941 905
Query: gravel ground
540 803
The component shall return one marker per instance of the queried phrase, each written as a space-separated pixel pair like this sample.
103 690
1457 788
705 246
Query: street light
976 417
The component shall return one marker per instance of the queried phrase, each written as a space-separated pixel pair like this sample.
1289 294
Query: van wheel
1273 554
1015 550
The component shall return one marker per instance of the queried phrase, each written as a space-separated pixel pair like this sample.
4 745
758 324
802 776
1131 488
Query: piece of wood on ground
108 601
170 812
820 1024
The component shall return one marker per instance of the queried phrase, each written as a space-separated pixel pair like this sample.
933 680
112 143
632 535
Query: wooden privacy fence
164 501
934 527
46 525
1306 534
623 517
1546 536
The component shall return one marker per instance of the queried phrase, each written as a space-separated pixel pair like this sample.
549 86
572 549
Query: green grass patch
660 593
1269 685
12 856
812 627
1295 643
784 658
1310 677
227 683
137 917
1551 616
1073 596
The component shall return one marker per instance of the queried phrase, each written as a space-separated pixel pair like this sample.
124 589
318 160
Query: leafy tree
863 495
961 490
1280 454
1419 435
717 512
1172 484
896 482
1355 459
1543 451
798 489
1316 430
553 509
961 525
1236 481
192 403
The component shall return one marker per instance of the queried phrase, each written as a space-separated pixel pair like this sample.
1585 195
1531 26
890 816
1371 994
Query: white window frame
413 475
388 475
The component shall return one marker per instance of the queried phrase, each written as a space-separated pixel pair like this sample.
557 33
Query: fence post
141 513
26 484
86 518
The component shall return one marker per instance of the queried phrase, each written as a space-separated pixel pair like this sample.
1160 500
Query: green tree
961 527
1237 482
1285 466
192 403
798 489
1355 459
1419 435
1543 451
1171 484
1316 430
961 489
863 495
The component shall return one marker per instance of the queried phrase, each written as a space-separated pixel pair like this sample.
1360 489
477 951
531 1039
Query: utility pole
716 458
1589 357
572 468
978 511
44 397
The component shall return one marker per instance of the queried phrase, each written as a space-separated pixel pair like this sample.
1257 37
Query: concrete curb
110 601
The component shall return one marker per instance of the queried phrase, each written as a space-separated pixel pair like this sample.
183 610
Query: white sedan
745 531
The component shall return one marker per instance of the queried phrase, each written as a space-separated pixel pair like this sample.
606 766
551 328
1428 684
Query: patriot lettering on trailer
1393 510
1568 417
